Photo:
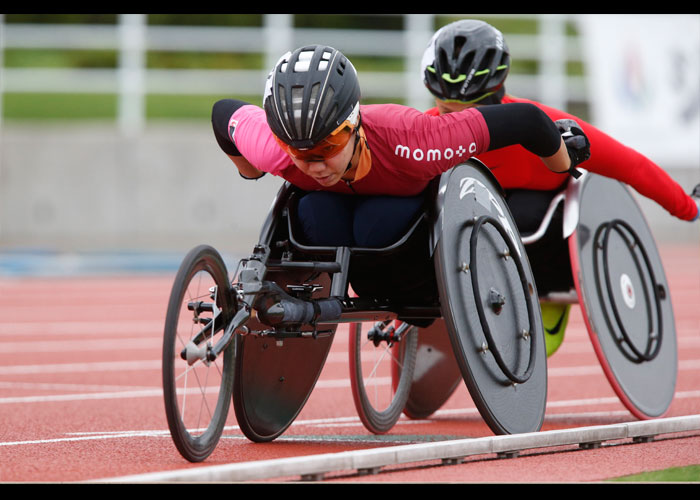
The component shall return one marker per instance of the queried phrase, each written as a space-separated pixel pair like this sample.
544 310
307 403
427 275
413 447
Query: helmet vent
341 67
283 102
487 61
460 41
467 63
330 117
302 63
444 61
327 100
297 100
313 98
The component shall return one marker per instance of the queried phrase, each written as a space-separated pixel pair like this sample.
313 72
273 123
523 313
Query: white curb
315 466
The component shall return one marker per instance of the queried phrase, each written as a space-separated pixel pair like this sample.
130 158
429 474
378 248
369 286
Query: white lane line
157 392
145 393
107 345
109 366
141 339
51 386
86 438
101 366
341 421
20 329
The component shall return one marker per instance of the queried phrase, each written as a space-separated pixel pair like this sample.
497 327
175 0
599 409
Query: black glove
577 144
695 194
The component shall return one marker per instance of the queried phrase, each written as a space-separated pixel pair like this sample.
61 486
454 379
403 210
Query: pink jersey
408 148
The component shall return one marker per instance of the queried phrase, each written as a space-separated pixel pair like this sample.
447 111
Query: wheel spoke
380 406
197 396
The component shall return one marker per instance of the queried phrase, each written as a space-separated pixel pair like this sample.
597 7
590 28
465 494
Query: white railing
133 37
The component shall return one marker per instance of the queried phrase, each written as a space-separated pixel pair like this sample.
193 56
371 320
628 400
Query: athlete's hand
695 195
577 144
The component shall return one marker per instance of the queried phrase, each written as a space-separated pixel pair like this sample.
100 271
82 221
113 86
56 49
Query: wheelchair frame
260 310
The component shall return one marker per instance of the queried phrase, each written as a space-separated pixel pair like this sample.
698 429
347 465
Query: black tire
379 413
196 417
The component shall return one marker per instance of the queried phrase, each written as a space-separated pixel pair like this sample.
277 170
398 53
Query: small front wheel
197 389
385 353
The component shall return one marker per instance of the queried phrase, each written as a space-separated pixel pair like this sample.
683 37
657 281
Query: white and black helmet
466 61
309 94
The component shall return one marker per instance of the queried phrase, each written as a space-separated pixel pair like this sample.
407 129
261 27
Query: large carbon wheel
489 302
377 354
622 289
197 391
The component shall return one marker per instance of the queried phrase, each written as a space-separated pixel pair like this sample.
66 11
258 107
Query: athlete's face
328 171
445 107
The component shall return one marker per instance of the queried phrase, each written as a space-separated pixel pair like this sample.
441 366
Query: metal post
278 39
552 73
2 94
418 28
2 64
132 40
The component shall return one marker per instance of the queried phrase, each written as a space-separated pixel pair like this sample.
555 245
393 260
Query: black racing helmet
466 61
309 94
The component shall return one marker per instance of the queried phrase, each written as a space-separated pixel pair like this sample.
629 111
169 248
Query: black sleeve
220 115
521 123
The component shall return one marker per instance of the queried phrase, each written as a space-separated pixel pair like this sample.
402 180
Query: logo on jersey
232 128
434 154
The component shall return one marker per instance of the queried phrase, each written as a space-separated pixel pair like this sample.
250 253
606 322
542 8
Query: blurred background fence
105 140
132 37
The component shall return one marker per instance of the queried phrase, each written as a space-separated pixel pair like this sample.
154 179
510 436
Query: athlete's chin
327 181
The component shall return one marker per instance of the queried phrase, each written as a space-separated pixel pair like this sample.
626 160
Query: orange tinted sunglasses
325 149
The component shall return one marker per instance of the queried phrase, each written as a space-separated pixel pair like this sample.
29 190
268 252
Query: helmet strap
362 161
357 141
354 149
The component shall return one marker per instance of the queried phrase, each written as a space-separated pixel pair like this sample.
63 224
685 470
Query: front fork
244 294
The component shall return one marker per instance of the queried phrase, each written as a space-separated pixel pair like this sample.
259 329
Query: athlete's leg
554 319
380 221
326 218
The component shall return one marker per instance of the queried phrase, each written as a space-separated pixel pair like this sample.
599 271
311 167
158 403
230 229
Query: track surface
81 399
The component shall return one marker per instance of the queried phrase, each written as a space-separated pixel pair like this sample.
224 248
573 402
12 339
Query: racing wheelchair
260 338
614 274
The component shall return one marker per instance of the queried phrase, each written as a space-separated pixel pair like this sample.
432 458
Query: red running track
80 394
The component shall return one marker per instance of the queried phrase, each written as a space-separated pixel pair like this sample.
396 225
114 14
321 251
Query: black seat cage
338 261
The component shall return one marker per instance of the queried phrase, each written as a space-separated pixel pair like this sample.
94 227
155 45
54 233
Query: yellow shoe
554 318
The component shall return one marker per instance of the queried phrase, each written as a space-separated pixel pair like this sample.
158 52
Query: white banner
644 82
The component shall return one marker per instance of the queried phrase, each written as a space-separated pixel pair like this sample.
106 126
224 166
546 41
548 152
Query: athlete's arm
560 161
220 117
527 125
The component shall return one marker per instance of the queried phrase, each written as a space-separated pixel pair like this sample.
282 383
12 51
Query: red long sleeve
514 167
